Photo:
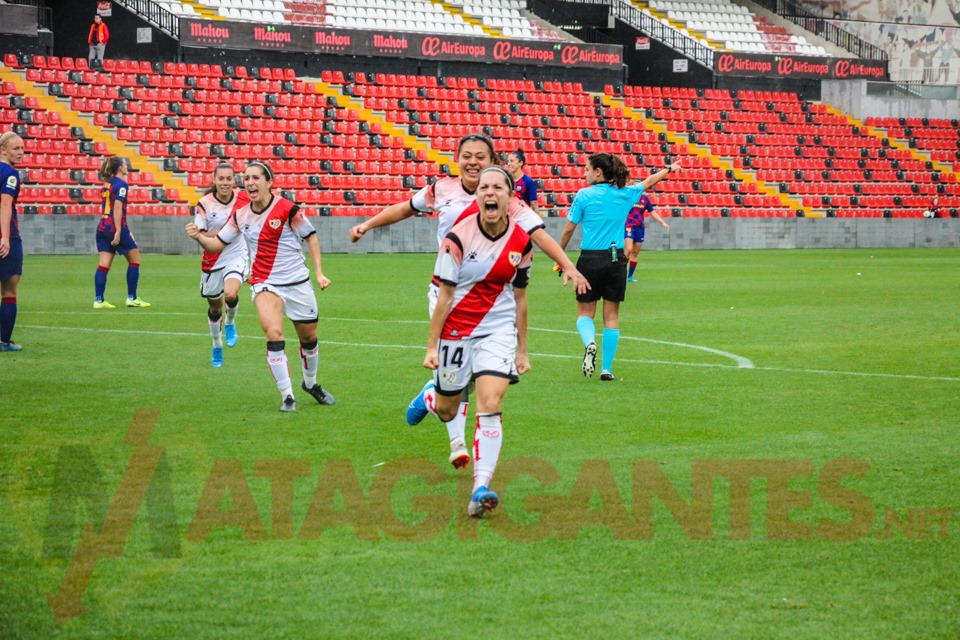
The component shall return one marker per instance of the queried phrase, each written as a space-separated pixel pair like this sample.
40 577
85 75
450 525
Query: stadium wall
74 235
851 97
72 20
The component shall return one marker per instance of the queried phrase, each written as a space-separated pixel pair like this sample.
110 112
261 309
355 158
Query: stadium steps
896 142
97 134
471 19
387 127
715 160
203 10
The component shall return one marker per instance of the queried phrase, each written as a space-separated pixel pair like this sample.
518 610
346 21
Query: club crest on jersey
515 257
275 223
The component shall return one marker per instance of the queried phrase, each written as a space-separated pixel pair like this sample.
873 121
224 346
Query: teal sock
611 337
588 332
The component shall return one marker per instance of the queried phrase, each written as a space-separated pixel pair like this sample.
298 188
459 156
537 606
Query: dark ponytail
614 170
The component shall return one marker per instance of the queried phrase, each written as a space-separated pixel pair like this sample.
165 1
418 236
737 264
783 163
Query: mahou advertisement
807 67
245 35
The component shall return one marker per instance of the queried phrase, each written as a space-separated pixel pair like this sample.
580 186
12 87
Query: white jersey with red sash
273 236
484 270
211 215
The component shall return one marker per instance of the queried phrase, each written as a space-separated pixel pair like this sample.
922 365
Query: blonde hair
6 138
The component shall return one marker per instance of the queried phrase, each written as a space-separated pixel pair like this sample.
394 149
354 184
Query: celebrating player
526 188
11 248
280 281
453 199
478 329
634 233
223 272
113 236
602 207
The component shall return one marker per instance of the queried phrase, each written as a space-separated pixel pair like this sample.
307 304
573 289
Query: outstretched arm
660 175
553 250
393 213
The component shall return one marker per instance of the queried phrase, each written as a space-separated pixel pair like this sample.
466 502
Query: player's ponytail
614 170
109 167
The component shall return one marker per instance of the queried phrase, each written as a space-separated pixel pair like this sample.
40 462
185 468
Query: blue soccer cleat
10 346
417 409
481 501
232 337
631 279
216 358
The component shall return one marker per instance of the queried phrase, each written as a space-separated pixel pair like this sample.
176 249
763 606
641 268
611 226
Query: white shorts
463 360
211 283
299 300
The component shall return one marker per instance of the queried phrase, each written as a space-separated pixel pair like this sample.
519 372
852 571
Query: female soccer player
223 273
634 233
454 198
526 188
478 330
114 237
602 207
280 281
11 248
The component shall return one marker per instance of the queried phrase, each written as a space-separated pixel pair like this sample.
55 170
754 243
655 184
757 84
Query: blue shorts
126 245
12 265
635 233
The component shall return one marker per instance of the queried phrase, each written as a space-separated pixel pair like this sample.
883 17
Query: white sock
231 315
215 332
309 363
457 426
281 372
486 448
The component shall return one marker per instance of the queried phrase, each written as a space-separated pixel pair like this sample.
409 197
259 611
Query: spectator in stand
934 210
99 34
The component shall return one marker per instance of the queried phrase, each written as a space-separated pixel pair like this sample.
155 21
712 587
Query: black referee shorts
608 279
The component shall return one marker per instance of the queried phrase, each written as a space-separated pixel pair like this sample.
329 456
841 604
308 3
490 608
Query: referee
602 208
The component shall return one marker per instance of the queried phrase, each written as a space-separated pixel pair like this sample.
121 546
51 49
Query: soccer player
634 233
114 237
280 281
223 272
454 198
478 329
11 248
526 188
602 208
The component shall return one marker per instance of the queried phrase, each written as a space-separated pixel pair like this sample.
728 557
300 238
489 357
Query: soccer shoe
631 279
103 305
481 501
232 337
459 456
289 405
10 346
216 358
606 375
590 359
318 394
417 409
137 302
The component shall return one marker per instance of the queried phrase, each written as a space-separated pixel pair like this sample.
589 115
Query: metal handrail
673 38
155 14
824 28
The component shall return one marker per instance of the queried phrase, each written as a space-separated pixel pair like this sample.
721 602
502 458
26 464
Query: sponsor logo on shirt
12 182
122 193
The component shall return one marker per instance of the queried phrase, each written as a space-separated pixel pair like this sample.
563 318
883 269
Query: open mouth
491 206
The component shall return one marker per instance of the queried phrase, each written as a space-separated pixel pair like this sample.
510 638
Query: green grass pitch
777 458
